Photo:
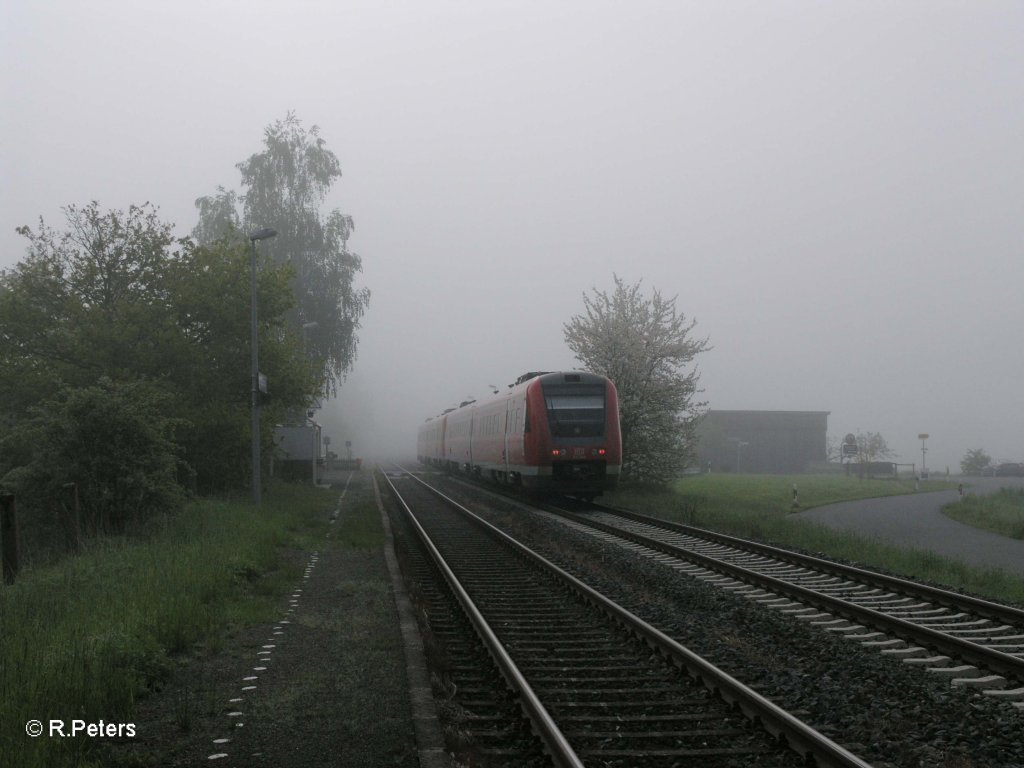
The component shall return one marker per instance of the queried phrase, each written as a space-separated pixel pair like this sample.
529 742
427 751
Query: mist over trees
85 302
124 350
115 440
644 345
285 186
124 363
975 462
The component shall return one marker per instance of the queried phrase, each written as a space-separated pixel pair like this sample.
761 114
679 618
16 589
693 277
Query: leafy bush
112 439
115 295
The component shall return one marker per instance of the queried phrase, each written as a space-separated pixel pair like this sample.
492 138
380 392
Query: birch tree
647 348
286 185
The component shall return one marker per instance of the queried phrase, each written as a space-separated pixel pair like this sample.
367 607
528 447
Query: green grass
362 679
347 700
359 526
758 507
84 637
1001 512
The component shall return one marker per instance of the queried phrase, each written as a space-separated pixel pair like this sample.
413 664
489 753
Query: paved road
916 521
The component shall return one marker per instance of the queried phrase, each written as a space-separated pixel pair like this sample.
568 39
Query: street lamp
924 450
259 234
312 368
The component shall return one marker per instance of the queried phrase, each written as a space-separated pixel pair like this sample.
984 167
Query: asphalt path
915 521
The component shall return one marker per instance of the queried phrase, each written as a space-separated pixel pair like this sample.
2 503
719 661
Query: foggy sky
834 191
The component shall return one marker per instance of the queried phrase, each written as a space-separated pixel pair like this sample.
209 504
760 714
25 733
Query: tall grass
83 638
759 507
1001 512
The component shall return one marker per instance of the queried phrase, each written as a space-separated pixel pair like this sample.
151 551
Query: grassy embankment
84 637
758 507
1001 512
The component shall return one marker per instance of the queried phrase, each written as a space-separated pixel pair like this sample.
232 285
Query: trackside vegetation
759 507
87 636
124 370
125 379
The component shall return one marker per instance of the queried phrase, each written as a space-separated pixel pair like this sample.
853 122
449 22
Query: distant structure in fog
770 442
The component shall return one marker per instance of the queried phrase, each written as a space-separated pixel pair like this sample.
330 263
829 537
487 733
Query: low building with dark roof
767 442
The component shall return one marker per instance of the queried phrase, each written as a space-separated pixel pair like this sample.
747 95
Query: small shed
298 451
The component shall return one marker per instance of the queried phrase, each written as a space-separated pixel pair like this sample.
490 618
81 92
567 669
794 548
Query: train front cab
573 434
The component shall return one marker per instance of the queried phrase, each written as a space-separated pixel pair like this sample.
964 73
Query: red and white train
548 432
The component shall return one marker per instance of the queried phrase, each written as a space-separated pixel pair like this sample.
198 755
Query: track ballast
598 686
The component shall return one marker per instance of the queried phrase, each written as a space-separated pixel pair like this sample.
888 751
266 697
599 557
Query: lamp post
305 342
259 234
305 350
924 450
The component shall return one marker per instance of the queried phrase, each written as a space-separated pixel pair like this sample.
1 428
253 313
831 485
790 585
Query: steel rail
551 736
799 736
995 611
996 661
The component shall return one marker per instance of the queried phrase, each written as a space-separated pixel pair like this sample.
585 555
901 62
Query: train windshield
576 414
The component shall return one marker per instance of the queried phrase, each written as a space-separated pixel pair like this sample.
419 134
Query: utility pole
260 234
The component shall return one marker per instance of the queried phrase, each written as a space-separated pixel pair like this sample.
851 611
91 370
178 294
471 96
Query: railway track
597 685
973 642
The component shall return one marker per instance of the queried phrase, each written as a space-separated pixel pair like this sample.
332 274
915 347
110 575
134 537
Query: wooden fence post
69 517
8 537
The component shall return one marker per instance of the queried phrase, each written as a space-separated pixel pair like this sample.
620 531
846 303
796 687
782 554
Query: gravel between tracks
884 711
